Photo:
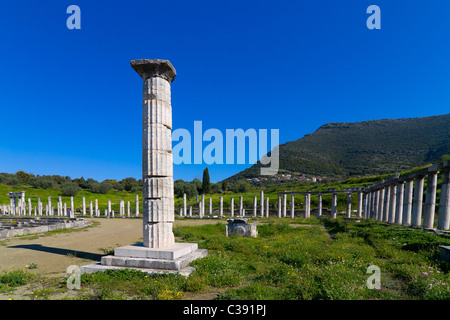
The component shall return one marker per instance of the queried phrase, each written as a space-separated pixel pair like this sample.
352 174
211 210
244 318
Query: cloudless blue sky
70 104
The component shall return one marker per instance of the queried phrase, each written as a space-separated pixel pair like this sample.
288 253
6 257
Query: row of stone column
61 209
400 201
282 206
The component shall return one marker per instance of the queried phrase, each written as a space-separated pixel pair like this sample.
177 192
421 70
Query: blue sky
71 104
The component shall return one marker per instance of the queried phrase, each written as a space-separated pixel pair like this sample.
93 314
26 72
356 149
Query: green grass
13 279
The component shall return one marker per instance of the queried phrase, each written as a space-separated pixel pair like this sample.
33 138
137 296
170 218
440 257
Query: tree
224 186
23 176
130 184
206 186
70 189
242 186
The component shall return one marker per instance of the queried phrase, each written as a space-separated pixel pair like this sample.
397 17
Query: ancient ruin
159 252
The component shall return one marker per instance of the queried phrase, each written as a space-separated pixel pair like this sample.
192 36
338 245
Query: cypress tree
206 186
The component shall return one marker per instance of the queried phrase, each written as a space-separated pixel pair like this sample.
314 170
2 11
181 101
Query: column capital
148 68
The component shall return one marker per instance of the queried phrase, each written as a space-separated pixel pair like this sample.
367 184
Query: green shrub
13 278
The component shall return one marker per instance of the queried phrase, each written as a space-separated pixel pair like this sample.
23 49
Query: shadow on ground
60 251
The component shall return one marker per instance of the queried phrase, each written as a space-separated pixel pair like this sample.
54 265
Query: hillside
364 148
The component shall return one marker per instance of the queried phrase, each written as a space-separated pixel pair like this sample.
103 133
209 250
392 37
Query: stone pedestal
152 260
241 227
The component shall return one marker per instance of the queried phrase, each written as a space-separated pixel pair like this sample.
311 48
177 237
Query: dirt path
54 253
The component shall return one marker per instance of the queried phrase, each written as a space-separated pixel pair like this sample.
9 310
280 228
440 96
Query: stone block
98 267
157 163
156 137
241 227
158 187
157 111
140 251
148 263
157 89
158 235
156 210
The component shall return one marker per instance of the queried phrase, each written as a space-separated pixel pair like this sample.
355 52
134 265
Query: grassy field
290 259
272 192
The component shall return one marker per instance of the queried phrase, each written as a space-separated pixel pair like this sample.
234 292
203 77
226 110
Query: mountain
373 147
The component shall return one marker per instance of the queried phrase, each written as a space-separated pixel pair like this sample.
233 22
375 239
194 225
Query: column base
173 259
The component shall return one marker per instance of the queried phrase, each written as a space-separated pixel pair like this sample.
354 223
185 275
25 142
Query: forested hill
364 148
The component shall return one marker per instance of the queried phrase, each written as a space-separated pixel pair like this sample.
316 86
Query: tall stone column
267 207
221 206
137 202
292 206
400 198
392 203
360 204
307 205
39 206
83 199
369 205
387 198
121 208
203 205
232 207
416 219
157 159
407 203
158 250
241 205
373 207
90 209
333 206
255 205
279 206
262 203
97 212
430 201
319 206
444 203
349 205
72 207
284 205
366 204
109 208
210 206
381 205
184 205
